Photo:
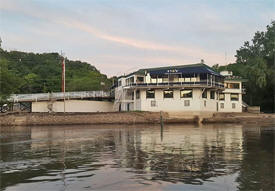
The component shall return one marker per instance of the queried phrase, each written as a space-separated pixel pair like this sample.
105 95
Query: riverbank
29 119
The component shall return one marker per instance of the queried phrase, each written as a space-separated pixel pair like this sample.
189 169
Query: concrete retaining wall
73 106
253 109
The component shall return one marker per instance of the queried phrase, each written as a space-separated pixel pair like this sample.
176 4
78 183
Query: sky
121 36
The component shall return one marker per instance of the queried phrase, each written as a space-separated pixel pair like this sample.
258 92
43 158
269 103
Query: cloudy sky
120 36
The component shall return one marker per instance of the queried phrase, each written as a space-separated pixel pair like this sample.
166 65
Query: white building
179 88
230 100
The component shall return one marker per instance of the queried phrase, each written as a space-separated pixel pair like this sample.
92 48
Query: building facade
230 100
179 88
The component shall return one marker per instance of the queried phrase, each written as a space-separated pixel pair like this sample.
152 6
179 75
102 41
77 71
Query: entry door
217 106
128 107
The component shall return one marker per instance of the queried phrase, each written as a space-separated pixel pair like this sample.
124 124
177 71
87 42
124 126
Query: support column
157 79
135 99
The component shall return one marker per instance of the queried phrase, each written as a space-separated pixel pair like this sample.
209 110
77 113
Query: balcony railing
58 96
178 84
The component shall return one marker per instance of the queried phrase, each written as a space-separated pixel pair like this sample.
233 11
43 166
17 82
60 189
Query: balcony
201 84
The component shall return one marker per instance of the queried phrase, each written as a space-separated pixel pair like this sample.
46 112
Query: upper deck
198 84
198 75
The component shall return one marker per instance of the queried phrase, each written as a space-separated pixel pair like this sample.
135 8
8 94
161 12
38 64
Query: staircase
245 105
117 101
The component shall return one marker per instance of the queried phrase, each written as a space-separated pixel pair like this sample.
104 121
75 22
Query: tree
259 59
30 82
8 81
38 73
255 62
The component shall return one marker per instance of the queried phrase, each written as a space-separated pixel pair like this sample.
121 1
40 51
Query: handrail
58 96
203 83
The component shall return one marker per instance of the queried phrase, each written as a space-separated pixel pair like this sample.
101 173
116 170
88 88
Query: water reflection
257 170
209 157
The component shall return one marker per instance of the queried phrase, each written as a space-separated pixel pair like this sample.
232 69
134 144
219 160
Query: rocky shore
29 119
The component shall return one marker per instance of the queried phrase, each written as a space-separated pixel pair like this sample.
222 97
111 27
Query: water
182 157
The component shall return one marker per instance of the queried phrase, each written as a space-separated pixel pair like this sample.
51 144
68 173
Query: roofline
176 66
166 67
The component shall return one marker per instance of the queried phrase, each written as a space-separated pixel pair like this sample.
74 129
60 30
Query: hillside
35 73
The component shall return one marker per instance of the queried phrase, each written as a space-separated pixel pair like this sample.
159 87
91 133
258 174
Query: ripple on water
209 157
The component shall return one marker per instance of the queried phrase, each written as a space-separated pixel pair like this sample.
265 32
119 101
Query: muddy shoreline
30 119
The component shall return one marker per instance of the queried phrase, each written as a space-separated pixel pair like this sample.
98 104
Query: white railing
58 96
202 83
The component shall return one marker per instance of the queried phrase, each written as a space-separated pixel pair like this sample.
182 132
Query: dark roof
181 69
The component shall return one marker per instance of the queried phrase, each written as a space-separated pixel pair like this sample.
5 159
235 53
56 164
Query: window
187 79
193 79
186 93
168 93
153 103
140 79
233 105
165 78
137 94
232 85
204 94
204 103
132 79
173 77
234 97
222 106
150 94
221 96
212 94
186 102
119 83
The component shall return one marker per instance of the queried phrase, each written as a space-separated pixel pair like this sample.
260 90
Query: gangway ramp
59 96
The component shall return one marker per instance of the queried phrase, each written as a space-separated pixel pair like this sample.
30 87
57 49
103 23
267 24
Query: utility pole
63 86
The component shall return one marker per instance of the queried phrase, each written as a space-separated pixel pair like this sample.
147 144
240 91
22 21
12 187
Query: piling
161 126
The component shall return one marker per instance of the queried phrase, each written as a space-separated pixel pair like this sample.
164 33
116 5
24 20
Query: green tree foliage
255 62
35 73
8 81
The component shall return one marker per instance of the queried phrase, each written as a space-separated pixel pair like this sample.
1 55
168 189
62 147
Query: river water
137 158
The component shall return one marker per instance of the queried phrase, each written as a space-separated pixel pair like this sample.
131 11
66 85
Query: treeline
255 62
22 72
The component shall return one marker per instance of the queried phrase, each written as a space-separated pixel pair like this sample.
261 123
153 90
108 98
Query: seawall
30 119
